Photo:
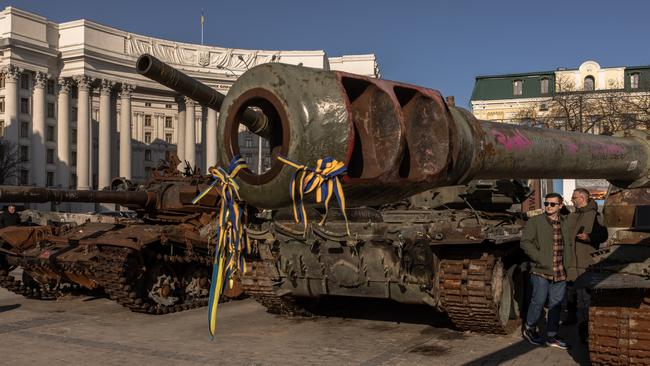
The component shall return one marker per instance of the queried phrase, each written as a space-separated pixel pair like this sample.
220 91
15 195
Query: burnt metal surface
619 321
454 260
157 262
399 139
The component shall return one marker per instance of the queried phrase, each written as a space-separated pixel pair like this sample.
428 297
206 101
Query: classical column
190 132
125 131
12 124
83 132
63 135
39 156
105 155
180 129
211 139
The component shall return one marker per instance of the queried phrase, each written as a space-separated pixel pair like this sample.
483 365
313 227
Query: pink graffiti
517 142
573 148
609 149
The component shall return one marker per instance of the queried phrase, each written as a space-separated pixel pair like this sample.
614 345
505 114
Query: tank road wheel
162 285
619 327
196 283
477 294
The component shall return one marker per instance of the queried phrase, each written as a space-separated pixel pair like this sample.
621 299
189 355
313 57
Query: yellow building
590 98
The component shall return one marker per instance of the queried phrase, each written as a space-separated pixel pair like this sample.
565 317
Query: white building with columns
80 114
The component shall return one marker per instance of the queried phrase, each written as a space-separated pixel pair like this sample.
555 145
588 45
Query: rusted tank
454 248
619 282
157 262
398 140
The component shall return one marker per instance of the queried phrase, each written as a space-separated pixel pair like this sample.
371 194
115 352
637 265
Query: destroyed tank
619 282
157 262
397 140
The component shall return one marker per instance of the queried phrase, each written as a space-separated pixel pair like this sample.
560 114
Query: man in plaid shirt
548 242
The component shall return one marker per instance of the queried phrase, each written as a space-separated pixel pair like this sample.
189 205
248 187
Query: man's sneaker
532 336
556 342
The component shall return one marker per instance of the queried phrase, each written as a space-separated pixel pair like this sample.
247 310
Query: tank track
467 296
260 283
33 289
120 275
619 327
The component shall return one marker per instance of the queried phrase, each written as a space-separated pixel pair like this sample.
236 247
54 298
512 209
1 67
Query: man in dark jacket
589 234
548 243
9 217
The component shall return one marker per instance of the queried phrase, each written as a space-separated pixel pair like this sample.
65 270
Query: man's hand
583 236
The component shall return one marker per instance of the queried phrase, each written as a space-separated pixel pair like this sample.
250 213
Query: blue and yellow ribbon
324 179
230 239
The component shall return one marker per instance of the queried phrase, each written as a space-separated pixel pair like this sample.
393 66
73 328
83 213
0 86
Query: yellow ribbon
231 238
324 179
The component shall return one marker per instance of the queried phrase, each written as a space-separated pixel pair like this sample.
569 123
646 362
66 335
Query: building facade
590 98
80 114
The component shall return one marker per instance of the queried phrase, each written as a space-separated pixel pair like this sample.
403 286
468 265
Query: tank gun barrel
42 195
154 69
398 139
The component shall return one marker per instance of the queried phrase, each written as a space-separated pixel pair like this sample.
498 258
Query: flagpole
202 21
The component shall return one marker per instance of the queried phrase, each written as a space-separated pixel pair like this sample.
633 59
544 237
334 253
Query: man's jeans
543 289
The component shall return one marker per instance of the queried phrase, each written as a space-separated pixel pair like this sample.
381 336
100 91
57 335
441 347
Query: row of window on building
589 84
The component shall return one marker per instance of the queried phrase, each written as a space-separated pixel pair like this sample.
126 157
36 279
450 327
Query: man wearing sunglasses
548 243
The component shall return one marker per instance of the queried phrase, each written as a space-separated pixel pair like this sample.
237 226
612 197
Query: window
2 104
2 128
168 138
517 87
589 83
73 135
2 81
248 157
24 153
73 114
147 104
169 122
24 105
248 141
634 80
168 106
74 94
73 159
24 177
543 86
49 133
24 81
147 171
50 87
147 155
50 110
50 179
147 137
24 129
147 120
50 156
73 180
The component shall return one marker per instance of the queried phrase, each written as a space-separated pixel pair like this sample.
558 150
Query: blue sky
438 44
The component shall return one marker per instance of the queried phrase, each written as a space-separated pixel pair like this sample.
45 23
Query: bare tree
9 161
599 111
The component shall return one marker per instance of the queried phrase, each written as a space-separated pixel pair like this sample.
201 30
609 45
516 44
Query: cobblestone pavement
83 331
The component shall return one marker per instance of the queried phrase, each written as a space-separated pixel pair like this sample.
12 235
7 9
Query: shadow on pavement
4 308
505 354
380 310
